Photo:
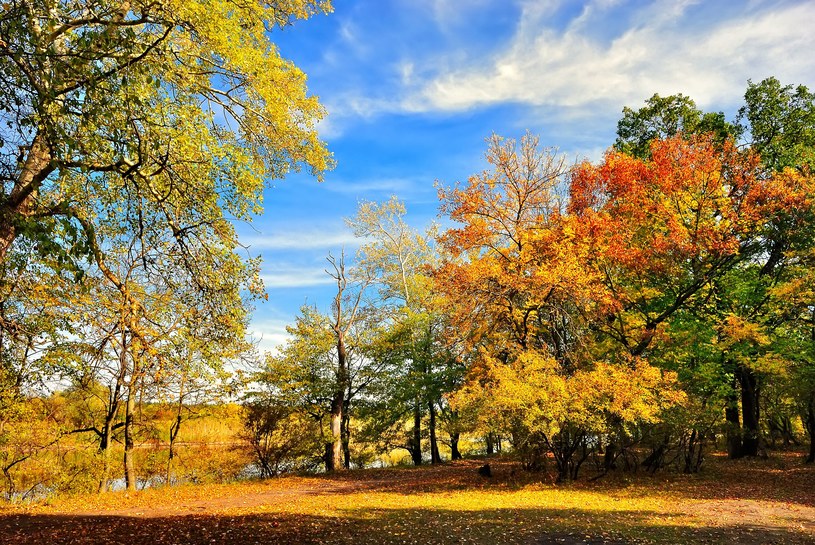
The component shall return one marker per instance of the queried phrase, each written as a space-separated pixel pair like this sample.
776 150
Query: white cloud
663 51
446 14
295 277
294 237
406 69
269 334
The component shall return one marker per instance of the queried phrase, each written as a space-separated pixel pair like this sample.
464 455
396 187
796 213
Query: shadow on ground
783 478
392 526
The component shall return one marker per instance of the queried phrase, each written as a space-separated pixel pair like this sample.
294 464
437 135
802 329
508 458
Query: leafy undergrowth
748 501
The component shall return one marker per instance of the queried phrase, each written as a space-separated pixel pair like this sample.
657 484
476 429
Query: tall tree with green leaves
663 117
320 373
400 258
779 121
176 109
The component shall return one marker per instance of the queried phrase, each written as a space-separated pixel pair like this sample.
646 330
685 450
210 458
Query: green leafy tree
663 117
780 121
322 369
422 367
177 110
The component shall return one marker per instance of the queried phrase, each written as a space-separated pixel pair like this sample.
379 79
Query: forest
638 315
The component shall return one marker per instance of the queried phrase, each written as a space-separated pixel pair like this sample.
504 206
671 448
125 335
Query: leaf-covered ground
748 502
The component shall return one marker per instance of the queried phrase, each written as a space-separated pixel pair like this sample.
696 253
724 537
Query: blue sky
414 87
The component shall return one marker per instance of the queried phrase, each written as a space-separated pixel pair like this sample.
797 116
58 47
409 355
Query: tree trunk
36 167
455 454
107 437
336 456
335 460
810 422
610 457
435 457
690 453
346 437
104 448
130 471
174 429
328 457
750 412
416 439
490 444
114 403
731 414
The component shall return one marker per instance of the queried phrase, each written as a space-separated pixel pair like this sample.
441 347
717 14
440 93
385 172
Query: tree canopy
160 115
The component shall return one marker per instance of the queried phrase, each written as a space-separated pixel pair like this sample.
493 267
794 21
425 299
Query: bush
282 439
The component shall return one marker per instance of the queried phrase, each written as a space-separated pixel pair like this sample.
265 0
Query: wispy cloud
448 14
294 237
383 185
671 50
269 334
281 277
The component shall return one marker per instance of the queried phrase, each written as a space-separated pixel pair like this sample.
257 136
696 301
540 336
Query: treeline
630 313
635 312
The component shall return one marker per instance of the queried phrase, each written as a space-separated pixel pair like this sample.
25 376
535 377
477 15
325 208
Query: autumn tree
145 322
132 135
506 215
520 292
162 119
673 229
776 124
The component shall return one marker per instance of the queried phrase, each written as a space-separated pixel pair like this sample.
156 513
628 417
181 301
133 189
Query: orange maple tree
661 230
559 299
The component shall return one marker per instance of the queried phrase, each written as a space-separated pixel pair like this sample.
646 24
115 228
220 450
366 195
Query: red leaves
693 202
639 236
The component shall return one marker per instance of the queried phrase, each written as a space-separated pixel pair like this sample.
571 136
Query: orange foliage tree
519 291
561 300
662 229
672 232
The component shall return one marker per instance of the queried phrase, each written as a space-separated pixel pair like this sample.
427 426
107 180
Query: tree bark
335 459
110 418
107 437
455 454
346 436
750 412
416 440
336 456
175 428
731 414
105 449
35 169
435 457
130 469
